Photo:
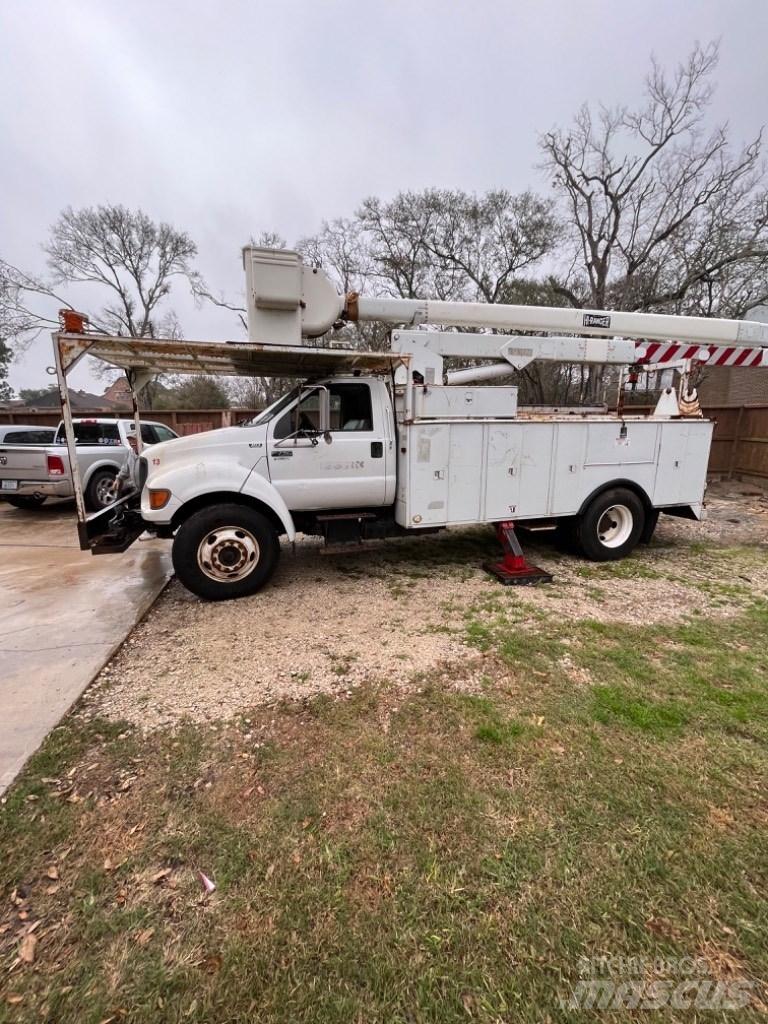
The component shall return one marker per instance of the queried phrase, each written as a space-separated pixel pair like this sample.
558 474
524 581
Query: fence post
735 444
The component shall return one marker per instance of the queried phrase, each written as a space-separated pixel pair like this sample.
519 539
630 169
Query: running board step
336 517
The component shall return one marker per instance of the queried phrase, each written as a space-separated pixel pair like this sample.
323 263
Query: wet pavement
63 613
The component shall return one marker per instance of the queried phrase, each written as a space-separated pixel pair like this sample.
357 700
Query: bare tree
130 259
451 244
662 215
24 306
202 391
127 261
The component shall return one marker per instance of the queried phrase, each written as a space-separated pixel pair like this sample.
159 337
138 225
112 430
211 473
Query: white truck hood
224 437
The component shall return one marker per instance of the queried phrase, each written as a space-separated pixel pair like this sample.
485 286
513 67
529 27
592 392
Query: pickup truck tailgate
24 462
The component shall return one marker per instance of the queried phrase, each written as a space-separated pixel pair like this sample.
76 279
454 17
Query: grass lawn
418 856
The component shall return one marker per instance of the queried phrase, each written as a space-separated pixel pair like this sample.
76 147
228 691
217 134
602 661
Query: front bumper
40 488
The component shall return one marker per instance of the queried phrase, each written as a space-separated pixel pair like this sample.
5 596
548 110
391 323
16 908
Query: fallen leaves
143 937
27 948
52 872
720 817
212 963
663 927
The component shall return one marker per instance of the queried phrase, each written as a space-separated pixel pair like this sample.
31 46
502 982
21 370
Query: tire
651 521
225 551
100 490
611 525
26 501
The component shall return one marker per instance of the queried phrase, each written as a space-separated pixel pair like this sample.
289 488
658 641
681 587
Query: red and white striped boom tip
660 352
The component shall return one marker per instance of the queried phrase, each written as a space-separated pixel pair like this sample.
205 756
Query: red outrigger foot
513 569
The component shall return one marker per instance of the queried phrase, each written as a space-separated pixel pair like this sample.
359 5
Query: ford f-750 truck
376 444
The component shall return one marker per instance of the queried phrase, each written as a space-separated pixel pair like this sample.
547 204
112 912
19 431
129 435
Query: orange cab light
159 498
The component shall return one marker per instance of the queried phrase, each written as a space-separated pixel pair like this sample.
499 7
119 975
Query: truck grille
143 471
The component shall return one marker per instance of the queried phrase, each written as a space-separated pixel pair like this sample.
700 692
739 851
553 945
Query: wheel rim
614 527
228 554
104 495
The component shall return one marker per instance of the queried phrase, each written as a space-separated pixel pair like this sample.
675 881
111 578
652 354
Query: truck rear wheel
611 525
100 491
225 551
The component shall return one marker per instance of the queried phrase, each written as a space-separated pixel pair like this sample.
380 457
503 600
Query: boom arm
661 326
288 301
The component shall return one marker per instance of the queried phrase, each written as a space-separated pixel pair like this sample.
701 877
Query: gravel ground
327 624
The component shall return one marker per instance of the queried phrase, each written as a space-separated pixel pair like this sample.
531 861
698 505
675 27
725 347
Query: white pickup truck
31 473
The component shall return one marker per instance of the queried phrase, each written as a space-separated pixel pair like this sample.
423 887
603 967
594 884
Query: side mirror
323 408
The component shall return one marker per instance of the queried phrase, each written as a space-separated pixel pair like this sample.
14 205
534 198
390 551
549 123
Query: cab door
350 471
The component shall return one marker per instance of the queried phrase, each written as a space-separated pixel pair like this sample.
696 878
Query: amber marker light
159 498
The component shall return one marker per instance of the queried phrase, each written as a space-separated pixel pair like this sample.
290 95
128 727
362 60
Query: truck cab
317 454
328 445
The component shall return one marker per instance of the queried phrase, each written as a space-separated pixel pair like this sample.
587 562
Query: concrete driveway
63 613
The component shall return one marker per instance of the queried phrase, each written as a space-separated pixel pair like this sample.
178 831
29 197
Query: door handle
282 453
377 449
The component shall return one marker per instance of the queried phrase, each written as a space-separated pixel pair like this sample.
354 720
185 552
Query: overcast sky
238 116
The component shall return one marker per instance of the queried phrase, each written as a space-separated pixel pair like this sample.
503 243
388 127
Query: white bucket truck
381 444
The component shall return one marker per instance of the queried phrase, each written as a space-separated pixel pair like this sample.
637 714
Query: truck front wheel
611 525
225 551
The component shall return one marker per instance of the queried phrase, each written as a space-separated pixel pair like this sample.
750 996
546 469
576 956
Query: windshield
272 410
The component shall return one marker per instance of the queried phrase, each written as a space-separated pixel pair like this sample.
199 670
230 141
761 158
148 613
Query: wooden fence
183 421
739 448
740 444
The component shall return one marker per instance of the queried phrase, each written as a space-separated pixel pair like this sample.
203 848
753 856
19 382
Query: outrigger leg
514 569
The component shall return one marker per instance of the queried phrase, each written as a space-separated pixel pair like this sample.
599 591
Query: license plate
9 485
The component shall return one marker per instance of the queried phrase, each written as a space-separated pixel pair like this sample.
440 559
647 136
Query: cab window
350 410
350 407
29 436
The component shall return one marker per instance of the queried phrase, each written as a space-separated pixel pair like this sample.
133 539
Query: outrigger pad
528 576
513 570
